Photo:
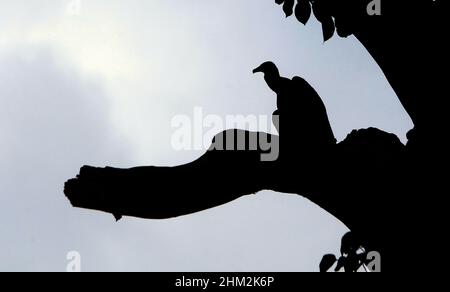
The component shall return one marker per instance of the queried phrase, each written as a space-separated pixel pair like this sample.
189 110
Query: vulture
302 114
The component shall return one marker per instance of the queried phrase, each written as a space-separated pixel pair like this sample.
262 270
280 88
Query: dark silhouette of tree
374 184
405 41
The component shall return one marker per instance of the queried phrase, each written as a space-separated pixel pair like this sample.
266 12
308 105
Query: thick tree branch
350 181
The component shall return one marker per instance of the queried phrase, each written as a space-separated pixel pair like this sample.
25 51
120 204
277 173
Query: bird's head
268 68
271 75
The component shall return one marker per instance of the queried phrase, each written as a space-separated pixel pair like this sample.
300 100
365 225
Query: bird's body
302 113
283 94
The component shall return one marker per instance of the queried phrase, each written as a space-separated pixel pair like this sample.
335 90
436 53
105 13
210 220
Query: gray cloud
51 123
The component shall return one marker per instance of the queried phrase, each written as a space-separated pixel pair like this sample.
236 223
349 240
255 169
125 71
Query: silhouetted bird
303 116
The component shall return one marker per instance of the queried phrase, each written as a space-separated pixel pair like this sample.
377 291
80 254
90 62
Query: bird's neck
273 82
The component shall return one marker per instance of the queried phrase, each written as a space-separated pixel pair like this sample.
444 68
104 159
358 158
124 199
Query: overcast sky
100 86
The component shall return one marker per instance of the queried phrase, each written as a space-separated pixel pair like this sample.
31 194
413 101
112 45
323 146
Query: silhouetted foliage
389 38
353 256
327 262
303 11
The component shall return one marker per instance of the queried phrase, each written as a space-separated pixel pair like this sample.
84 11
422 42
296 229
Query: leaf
327 262
328 28
341 263
349 243
303 11
319 11
288 7
342 27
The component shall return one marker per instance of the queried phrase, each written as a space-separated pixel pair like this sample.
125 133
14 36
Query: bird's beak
257 70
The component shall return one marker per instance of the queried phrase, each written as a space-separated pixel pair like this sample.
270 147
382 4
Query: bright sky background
100 86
